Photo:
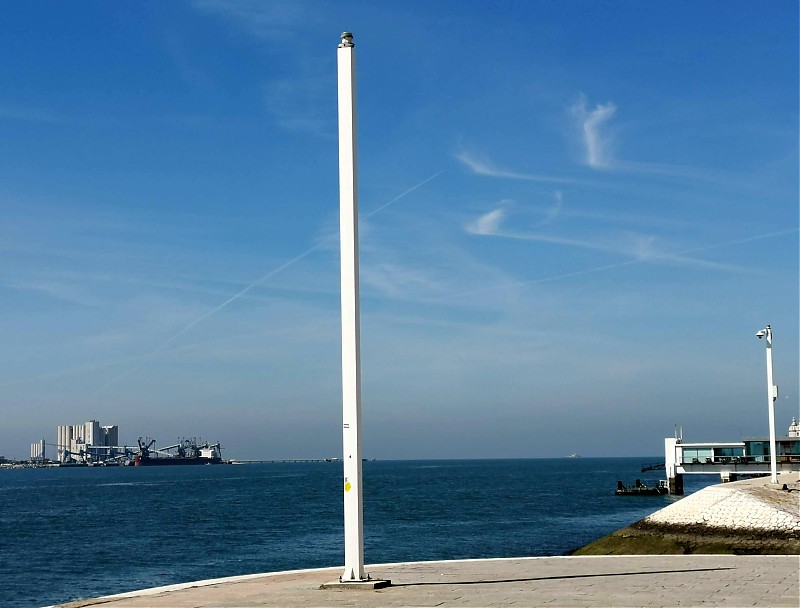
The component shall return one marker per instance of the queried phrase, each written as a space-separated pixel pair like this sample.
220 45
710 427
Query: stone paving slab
645 580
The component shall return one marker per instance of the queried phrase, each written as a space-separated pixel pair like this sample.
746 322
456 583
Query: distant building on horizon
79 442
38 451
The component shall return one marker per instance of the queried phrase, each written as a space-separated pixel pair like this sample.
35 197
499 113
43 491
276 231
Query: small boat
639 489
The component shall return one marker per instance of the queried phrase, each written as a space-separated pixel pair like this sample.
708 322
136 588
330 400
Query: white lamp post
354 576
351 356
772 395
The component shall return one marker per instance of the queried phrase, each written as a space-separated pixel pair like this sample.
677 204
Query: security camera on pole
772 395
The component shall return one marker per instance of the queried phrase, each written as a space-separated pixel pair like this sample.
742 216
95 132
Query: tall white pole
351 339
772 395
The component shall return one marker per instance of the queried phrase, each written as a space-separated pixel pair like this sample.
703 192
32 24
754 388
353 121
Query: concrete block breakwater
748 506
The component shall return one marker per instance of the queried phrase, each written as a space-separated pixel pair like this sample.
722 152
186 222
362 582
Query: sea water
72 533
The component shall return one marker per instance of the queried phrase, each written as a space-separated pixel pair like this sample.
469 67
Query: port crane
185 448
144 446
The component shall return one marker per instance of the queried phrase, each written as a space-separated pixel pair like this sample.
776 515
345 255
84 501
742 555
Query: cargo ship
187 452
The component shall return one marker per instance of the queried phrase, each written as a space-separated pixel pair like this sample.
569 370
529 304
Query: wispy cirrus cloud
295 103
592 123
491 224
555 210
393 278
480 165
679 257
598 142
640 247
57 290
487 224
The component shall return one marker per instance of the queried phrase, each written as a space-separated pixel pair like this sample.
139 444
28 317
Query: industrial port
92 444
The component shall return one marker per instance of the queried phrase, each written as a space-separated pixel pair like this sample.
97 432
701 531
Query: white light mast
772 395
351 330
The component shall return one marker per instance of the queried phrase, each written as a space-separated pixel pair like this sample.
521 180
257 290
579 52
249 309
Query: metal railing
760 459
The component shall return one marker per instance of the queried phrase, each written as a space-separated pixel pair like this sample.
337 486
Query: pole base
368 585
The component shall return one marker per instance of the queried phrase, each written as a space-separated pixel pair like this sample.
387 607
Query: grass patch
632 542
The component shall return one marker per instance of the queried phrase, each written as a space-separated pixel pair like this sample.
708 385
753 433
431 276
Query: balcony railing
761 459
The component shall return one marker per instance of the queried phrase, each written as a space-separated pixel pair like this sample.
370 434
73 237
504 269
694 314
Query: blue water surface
75 533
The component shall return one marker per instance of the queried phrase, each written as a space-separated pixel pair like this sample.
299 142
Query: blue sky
574 218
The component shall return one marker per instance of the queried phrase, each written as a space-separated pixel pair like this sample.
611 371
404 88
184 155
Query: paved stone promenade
651 580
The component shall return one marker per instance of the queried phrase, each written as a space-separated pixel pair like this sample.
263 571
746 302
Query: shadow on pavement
550 578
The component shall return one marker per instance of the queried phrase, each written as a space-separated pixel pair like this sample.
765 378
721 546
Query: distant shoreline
27 464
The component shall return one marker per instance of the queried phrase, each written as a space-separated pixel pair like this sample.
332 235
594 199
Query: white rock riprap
750 505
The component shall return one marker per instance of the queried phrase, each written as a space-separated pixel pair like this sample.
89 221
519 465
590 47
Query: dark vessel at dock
187 452
639 489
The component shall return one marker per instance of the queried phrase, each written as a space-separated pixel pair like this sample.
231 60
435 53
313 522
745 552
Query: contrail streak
399 196
557 277
252 285
568 275
90 367
145 358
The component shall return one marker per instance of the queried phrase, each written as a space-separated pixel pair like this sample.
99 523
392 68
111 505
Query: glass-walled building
788 449
729 459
